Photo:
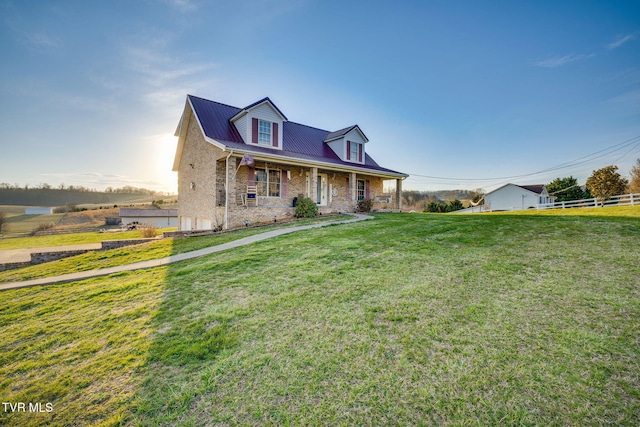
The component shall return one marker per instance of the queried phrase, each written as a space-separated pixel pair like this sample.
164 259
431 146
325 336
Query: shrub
147 230
42 227
443 207
454 205
365 205
306 208
438 206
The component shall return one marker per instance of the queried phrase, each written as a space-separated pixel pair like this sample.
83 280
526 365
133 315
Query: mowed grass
131 254
21 224
408 319
606 212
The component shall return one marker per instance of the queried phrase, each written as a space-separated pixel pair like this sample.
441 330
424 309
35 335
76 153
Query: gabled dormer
348 144
260 124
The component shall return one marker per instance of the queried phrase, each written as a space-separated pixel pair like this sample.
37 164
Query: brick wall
199 165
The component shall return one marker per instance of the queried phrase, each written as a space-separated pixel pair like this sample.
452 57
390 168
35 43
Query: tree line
47 195
603 184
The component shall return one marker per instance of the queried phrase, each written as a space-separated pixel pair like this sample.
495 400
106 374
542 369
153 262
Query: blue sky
91 92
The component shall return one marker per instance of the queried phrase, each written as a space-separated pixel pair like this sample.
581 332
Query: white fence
621 200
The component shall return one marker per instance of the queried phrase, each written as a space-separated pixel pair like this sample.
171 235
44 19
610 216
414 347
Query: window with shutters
354 151
274 183
264 132
353 154
268 182
361 189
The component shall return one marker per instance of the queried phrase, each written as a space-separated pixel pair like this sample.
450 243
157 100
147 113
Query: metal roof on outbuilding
148 213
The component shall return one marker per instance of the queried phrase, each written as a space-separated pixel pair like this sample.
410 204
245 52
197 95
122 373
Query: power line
630 150
634 142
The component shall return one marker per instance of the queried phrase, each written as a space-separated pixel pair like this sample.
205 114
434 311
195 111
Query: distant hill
47 196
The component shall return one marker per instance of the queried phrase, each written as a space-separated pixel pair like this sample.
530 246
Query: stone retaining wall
42 257
114 244
12 265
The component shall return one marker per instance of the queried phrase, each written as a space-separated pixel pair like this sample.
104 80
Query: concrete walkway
173 258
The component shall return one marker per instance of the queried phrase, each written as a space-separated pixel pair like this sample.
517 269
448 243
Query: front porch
265 191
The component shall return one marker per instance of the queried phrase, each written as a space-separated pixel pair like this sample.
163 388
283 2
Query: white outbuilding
159 218
38 211
513 197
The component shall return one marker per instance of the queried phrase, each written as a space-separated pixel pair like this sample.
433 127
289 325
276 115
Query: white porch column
399 194
353 183
314 185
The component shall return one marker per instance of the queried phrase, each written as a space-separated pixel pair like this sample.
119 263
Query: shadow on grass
193 326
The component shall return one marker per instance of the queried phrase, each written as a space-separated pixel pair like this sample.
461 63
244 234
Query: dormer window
260 123
264 132
354 151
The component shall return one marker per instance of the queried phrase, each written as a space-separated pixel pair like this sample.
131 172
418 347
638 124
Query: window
361 189
261 182
268 182
274 183
264 132
353 152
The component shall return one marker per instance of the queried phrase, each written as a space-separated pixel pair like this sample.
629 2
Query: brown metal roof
148 213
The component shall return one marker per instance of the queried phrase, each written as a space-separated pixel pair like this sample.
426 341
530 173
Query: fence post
631 197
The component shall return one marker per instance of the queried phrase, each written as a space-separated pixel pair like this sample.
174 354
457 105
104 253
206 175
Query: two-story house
240 165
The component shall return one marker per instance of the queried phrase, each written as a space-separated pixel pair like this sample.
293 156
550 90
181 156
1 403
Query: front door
322 189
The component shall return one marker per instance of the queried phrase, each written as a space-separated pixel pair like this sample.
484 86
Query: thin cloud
626 102
182 5
42 40
38 40
621 40
558 61
164 81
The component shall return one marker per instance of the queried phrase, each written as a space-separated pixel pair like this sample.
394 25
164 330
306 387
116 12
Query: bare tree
3 220
634 185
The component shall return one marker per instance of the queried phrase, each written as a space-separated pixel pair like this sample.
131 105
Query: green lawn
21 224
607 211
408 319
153 250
